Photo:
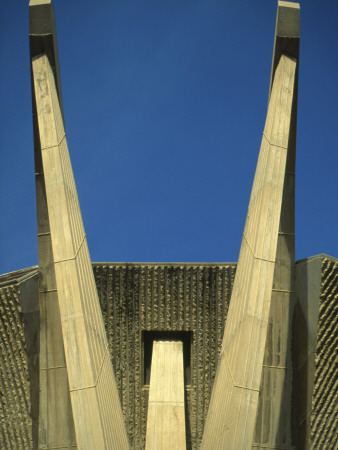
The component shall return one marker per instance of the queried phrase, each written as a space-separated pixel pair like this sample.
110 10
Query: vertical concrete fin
56 425
233 407
273 423
166 419
305 329
95 403
287 33
43 39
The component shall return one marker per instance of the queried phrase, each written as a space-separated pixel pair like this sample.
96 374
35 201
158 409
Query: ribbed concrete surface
324 411
234 402
56 425
97 424
164 296
273 423
15 401
173 295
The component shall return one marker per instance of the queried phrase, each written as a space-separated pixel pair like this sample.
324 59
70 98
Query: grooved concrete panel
19 359
15 406
135 297
324 411
234 402
166 418
273 423
174 297
305 323
95 404
316 353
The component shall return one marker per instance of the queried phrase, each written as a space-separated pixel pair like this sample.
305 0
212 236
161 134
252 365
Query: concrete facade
212 356
174 297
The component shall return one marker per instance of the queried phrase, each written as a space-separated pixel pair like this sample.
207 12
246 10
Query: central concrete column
166 421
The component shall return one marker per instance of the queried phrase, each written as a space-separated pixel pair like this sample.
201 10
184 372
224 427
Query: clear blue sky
165 104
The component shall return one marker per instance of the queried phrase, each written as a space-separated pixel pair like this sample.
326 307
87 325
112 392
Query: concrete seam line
56 145
77 252
271 143
256 257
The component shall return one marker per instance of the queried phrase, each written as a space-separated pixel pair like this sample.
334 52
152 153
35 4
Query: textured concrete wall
308 280
133 297
191 297
19 320
315 353
324 414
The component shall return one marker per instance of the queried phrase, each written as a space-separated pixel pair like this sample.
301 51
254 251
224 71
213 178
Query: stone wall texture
140 297
164 297
324 416
15 399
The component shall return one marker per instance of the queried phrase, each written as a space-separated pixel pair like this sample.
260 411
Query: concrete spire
53 426
273 423
264 269
69 294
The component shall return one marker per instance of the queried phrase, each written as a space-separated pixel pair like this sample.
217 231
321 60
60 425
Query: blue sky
165 104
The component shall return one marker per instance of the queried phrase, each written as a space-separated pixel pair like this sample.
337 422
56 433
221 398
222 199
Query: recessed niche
148 337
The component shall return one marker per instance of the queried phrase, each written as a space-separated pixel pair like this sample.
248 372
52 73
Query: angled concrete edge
287 34
96 407
233 406
273 423
42 37
56 426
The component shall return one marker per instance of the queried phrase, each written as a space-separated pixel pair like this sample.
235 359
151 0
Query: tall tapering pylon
83 371
264 271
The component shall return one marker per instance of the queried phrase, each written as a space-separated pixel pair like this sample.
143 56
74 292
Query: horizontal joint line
281 233
97 377
56 145
42 34
271 143
77 252
274 367
283 290
82 388
246 387
56 367
48 290
256 257
63 446
269 446
44 234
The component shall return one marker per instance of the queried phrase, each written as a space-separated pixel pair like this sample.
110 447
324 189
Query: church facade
169 355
